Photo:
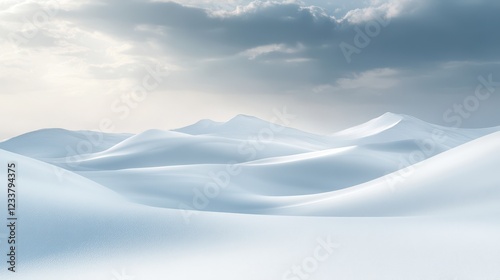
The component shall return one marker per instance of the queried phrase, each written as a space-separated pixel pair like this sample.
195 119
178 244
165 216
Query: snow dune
401 198
224 167
55 142
155 148
462 181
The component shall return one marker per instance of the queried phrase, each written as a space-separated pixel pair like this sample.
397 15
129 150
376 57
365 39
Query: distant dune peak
374 126
237 124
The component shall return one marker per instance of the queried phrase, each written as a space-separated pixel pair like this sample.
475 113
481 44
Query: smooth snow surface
246 199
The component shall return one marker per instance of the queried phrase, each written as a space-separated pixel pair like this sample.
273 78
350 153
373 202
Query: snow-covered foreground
395 198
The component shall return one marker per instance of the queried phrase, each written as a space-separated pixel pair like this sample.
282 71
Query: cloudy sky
132 65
